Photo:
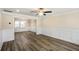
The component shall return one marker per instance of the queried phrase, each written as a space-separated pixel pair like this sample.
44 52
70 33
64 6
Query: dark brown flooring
29 41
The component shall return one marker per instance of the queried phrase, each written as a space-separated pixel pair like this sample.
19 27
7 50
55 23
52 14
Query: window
20 24
16 24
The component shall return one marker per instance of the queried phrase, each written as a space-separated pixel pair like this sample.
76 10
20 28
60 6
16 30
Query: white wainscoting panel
8 35
67 34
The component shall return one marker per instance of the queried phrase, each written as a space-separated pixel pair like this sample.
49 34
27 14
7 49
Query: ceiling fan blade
48 12
44 14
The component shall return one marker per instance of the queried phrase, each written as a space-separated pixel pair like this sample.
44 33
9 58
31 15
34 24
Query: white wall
7 29
40 25
65 27
33 26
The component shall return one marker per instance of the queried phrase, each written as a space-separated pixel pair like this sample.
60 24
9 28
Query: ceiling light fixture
41 11
40 14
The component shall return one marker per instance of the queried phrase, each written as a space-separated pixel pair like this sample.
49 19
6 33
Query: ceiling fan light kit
41 11
40 14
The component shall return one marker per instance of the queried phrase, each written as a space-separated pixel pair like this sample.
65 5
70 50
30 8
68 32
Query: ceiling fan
41 11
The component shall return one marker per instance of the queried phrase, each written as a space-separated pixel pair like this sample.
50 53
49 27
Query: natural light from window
20 24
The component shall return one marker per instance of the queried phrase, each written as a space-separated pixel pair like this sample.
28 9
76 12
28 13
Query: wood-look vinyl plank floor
29 41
